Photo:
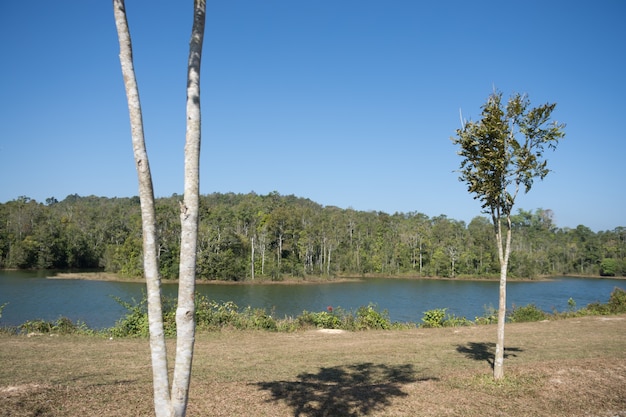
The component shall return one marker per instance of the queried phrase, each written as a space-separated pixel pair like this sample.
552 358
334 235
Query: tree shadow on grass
351 390
485 351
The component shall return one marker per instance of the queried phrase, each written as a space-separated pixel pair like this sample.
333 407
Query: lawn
572 367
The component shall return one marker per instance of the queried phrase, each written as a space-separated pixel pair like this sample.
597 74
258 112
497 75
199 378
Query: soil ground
573 367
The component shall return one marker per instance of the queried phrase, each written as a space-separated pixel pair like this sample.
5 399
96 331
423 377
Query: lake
31 295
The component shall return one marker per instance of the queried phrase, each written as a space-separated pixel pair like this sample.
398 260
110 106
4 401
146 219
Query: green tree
502 153
608 267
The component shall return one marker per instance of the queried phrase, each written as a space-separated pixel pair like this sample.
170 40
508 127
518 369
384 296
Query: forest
244 237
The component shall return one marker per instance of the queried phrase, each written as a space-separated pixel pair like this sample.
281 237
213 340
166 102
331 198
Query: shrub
616 304
490 316
256 319
455 321
434 318
571 304
617 301
213 315
527 313
368 318
62 325
440 317
322 320
135 322
37 326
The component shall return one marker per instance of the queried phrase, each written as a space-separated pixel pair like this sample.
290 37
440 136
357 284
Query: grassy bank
571 367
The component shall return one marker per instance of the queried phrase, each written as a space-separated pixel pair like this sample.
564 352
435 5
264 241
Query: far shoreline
109 276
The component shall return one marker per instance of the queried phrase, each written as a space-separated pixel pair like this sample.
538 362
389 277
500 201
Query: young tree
502 153
168 403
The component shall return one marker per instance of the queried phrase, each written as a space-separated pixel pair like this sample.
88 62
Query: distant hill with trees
249 236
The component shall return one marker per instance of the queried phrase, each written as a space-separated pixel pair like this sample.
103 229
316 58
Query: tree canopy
82 232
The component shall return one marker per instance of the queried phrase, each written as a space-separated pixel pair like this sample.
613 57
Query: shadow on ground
485 351
350 390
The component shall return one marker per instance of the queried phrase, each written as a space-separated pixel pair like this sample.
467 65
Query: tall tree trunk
185 312
168 404
162 404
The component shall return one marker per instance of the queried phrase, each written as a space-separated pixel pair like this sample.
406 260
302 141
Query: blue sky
348 103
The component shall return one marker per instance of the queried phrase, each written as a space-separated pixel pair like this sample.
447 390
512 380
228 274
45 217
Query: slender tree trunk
185 312
252 258
146 196
330 249
504 250
168 404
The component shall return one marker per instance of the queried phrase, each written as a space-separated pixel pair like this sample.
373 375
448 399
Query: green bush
62 325
37 326
440 317
490 316
571 304
135 322
322 320
617 301
256 319
434 318
616 304
455 321
212 315
527 313
368 318
608 267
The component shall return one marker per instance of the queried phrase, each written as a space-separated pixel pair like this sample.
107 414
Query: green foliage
434 318
505 150
452 320
62 325
571 304
322 320
214 316
368 318
490 316
527 313
258 319
136 323
211 315
96 232
617 301
616 304
608 267
440 317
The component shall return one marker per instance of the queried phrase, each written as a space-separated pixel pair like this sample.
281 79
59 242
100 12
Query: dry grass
574 367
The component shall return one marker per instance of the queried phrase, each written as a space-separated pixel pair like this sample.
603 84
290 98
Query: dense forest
250 236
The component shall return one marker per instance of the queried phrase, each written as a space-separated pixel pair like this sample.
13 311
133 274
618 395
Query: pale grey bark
504 251
252 258
166 403
185 312
148 217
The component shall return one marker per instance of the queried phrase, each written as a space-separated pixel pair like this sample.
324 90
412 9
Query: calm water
31 295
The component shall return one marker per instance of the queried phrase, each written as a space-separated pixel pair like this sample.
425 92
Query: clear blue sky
348 103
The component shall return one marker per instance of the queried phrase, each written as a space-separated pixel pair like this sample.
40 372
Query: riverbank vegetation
213 316
246 237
